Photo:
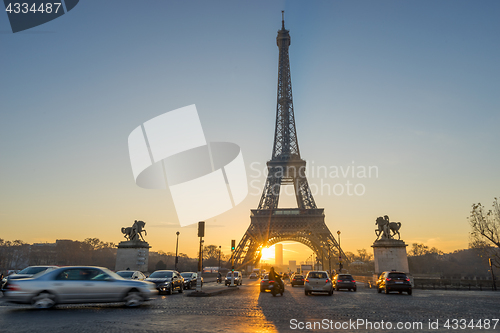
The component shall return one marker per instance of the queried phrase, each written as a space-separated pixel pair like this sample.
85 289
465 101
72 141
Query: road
248 310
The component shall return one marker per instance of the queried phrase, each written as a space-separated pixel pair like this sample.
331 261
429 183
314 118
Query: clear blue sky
411 87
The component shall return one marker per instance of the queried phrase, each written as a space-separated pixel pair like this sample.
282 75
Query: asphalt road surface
248 310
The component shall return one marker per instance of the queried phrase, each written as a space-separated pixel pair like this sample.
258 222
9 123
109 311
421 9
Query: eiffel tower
269 224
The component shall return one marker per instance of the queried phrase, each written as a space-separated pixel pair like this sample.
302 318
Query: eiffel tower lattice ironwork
270 224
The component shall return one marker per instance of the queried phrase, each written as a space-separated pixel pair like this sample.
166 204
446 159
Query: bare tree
485 230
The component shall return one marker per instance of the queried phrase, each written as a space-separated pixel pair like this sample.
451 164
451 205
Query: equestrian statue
385 228
134 233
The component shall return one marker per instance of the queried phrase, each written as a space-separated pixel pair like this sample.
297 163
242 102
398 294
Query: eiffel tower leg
303 193
271 193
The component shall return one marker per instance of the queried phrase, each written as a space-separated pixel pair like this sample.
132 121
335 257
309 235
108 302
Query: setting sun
267 253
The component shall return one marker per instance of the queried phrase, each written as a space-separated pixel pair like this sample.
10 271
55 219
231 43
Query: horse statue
382 228
135 231
385 227
395 226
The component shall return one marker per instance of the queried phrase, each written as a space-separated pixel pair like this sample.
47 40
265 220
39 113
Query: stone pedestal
390 254
133 255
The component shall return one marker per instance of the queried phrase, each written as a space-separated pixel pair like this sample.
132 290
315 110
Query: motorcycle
219 279
276 288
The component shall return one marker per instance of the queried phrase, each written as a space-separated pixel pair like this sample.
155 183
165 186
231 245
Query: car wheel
386 290
44 300
337 288
379 290
409 292
262 290
354 289
169 291
330 293
133 298
181 289
306 292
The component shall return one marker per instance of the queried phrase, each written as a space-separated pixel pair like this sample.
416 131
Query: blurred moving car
344 281
318 281
297 280
253 276
26 273
393 281
132 275
76 284
238 278
167 281
191 279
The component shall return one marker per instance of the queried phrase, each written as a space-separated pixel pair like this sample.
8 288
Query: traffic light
201 229
233 244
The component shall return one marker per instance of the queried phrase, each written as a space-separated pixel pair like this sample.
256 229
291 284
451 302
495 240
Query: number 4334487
24 8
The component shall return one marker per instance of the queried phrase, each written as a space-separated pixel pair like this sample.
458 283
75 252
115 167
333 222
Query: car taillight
271 281
13 287
388 279
262 281
407 279
339 280
307 280
327 281
353 280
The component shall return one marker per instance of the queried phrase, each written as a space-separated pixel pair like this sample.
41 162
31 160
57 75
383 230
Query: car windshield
397 276
125 274
230 274
186 275
298 277
345 277
317 275
161 275
32 270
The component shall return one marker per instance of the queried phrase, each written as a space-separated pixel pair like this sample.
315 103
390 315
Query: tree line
16 255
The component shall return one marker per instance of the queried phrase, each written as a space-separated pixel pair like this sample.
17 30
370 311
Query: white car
318 281
238 278
78 284
132 275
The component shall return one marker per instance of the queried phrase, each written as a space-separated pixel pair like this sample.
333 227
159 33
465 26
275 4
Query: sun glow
267 253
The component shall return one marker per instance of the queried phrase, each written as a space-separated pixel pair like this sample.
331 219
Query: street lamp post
340 253
218 271
329 259
494 286
177 250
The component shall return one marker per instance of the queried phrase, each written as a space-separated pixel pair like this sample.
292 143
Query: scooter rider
276 277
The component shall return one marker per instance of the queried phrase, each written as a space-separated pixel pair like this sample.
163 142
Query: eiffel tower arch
268 223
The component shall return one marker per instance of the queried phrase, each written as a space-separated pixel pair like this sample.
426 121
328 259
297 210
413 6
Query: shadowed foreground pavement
248 310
